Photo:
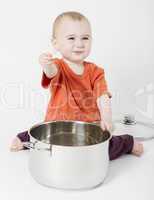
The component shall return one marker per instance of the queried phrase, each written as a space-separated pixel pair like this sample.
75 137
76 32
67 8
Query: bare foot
16 145
137 148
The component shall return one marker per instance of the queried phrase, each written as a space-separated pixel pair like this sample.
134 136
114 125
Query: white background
123 43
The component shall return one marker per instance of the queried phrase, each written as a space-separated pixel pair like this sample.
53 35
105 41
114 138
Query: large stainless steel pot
68 154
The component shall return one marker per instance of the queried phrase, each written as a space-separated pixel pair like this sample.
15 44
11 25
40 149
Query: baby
79 89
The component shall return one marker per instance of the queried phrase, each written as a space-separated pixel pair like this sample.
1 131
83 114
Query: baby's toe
13 148
141 149
16 148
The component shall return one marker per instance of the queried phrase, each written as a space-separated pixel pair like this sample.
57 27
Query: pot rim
75 121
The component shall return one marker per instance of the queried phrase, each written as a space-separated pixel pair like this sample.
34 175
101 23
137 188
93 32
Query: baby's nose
79 43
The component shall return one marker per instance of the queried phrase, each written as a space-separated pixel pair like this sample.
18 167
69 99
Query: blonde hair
76 16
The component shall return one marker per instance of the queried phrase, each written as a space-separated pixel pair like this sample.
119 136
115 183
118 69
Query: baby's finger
47 62
103 127
45 56
108 127
48 55
46 59
13 148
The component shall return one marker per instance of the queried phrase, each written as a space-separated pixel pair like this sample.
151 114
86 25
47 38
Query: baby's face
73 39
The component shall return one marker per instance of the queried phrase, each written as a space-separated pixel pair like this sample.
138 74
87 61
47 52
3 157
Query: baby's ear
54 43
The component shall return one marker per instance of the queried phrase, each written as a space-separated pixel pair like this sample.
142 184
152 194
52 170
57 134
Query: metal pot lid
138 129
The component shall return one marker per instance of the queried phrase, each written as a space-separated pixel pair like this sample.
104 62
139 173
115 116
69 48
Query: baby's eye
85 38
71 38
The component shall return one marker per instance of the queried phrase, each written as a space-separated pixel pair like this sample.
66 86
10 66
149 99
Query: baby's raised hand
45 59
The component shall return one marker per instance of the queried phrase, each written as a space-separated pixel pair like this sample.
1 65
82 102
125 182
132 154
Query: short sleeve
99 83
45 81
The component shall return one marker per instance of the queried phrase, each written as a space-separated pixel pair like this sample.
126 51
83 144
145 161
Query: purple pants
118 145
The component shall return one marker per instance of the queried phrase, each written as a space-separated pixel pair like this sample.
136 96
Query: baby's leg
17 143
23 136
124 144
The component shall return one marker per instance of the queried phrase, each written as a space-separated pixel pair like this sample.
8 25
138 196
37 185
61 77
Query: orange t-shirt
73 96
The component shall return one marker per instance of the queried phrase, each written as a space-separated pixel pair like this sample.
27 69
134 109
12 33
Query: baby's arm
49 68
104 106
121 144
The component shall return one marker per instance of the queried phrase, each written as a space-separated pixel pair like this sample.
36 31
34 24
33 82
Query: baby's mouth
78 52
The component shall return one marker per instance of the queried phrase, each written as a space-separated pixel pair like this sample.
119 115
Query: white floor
129 177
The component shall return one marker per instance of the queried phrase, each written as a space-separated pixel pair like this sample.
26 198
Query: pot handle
29 145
